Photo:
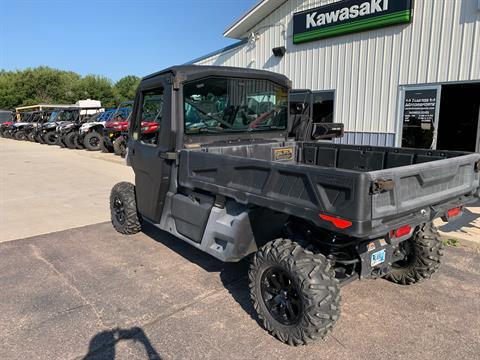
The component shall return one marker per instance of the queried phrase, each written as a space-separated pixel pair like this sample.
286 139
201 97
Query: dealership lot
45 188
82 290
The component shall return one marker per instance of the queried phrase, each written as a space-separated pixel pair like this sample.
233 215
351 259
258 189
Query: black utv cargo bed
359 191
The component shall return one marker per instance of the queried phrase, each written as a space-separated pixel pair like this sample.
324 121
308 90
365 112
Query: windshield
221 105
53 116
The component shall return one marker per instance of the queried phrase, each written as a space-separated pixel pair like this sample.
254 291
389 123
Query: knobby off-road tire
424 251
311 289
106 145
50 138
20 135
78 144
120 146
92 141
61 141
123 209
69 140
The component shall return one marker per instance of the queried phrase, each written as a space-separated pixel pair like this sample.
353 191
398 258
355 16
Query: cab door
148 147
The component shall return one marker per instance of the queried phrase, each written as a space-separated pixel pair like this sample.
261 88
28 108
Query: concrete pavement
46 188
93 291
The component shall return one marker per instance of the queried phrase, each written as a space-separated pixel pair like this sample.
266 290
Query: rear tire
50 138
123 209
20 135
294 292
107 146
92 141
78 143
61 141
69 140
31 137
120 146
424 251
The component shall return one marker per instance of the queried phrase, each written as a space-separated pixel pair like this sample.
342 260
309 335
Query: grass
451 242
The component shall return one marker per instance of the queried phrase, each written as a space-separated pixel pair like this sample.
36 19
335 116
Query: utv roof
189 72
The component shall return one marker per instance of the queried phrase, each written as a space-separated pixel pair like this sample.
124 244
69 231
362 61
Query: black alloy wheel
119 210
280 296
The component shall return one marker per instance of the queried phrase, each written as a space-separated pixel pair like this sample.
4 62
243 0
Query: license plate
377 258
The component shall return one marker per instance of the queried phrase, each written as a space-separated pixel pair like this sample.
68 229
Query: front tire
423 254
120 146
61 141
51 138
294 292
69 140
123 209
92 141
20 135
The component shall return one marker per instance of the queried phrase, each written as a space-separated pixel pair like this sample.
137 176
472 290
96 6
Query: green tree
126 87
46 85
95 87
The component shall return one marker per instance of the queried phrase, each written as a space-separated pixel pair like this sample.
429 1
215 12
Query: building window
323 106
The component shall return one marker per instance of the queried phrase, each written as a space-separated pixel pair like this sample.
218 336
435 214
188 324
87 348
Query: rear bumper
380 228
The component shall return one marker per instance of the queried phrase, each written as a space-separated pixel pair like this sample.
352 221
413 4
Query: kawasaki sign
348 16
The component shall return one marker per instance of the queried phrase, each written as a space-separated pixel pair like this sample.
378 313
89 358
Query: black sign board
419 107
349 16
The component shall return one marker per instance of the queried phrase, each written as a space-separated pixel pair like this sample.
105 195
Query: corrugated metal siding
441 44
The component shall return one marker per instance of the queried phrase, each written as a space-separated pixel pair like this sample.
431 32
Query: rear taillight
453 213
339 223
401 232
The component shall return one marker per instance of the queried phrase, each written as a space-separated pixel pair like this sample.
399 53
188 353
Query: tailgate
422 185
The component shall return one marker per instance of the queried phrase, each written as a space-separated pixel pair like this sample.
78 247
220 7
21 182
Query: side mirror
327 130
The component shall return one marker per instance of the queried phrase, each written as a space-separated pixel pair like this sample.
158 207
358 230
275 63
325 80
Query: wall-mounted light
279 51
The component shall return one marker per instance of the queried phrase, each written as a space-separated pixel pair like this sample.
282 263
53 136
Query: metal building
395 72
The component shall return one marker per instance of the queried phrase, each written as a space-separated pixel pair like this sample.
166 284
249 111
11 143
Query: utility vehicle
68 132
148 129
113 130
6 119
48 130
17 129
38 118
223 175
91 133
115 127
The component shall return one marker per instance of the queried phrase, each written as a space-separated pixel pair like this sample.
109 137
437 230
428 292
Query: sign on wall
349 16
419 107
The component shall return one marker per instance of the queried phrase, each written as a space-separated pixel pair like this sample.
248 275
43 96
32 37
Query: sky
113 38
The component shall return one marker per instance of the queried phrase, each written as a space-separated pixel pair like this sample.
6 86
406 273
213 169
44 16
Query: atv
223 174
38 117
17 130
6 119
48 130
91 133
113 130
68 132
149 130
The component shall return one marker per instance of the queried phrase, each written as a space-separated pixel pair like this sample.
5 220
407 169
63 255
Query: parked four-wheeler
37 118
91 133
120 142
114 130
6 119
48 130
226 178
35 133
17 129
68 131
